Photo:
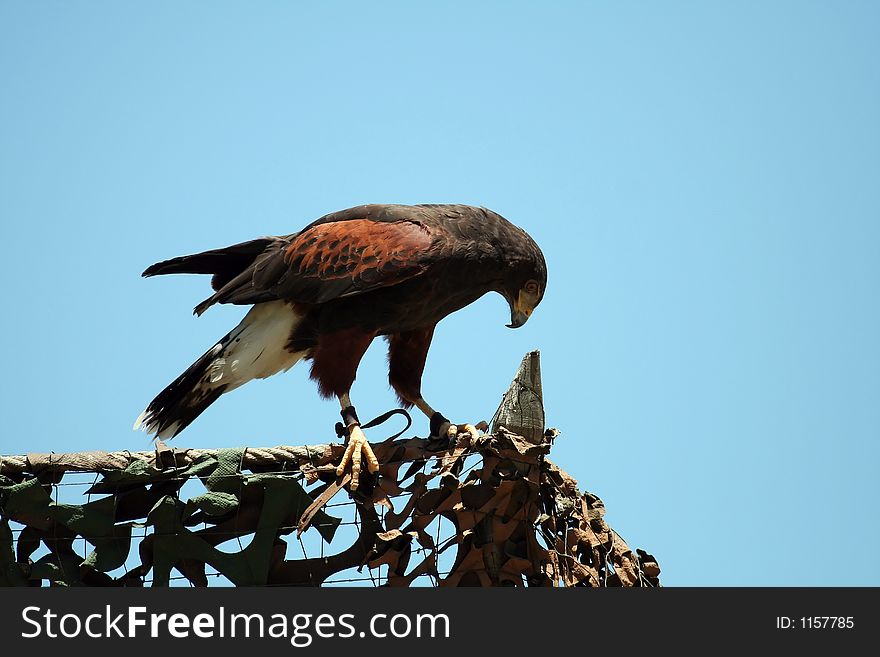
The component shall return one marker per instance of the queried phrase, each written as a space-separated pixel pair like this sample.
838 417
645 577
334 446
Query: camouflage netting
512 517
518 519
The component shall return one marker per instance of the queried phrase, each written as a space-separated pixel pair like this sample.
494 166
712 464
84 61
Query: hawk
324 293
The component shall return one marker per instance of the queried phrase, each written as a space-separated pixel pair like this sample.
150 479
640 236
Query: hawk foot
358 449
443 428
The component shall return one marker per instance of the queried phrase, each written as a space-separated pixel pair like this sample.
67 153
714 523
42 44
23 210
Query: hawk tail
225 264
185 398
255 349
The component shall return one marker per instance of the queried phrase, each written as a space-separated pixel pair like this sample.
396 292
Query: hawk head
525 280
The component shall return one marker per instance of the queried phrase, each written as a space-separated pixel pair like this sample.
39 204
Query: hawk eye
531 287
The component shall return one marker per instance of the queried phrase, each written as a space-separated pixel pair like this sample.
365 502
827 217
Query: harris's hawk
324 293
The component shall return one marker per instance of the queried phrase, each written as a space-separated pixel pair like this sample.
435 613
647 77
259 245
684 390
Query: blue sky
703 179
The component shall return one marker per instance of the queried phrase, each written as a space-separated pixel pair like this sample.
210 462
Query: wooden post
522 407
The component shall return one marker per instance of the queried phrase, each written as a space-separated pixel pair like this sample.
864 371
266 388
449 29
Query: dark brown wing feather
332 259
225 263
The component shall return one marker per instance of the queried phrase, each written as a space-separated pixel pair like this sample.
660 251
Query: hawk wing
334 257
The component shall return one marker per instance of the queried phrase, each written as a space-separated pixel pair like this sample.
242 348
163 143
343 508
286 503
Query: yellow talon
452 430
358 448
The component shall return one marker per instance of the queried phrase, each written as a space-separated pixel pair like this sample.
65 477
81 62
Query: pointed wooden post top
522 407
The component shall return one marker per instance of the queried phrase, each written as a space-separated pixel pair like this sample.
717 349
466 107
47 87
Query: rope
94 461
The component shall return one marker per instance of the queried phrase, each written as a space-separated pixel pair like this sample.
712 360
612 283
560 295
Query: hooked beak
517 319
521 309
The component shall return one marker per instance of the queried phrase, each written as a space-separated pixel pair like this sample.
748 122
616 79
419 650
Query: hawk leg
357 449
407 352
